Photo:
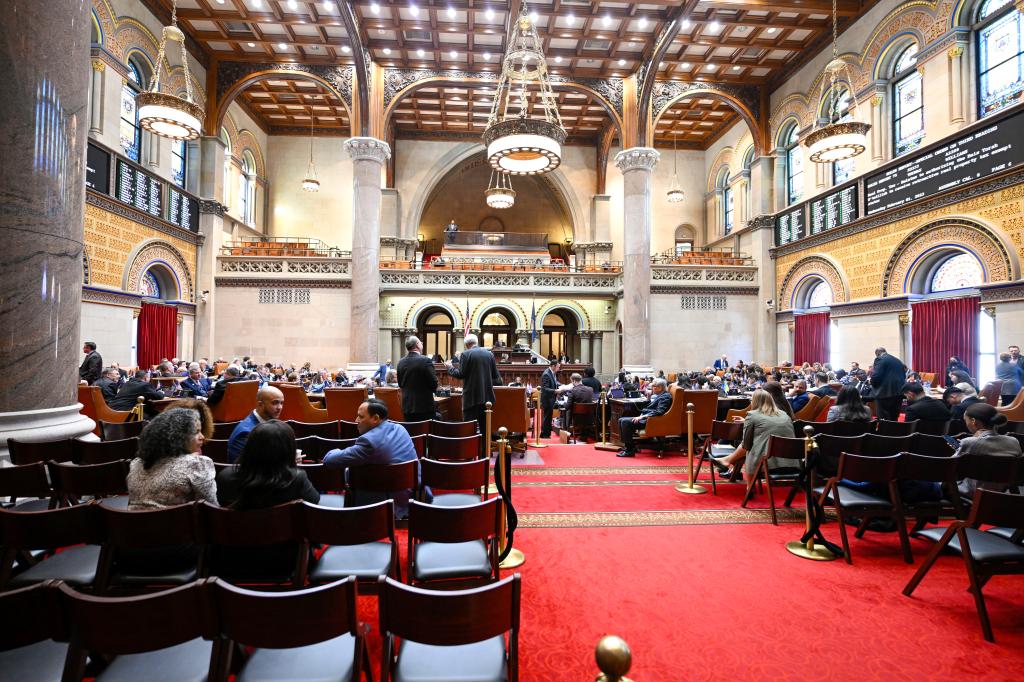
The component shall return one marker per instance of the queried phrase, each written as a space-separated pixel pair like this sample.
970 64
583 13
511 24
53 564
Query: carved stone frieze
703 290
898 304
281 283
637 158
251 266
368 149
212 206
1002 293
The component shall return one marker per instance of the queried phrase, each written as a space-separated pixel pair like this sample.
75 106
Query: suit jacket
548 389
479 373
388 443
888 375
92 368
130 393
418 381
581 394
1009 374
956 422
594 384
825 390
200 388
240 434
797 402
719 364
109 388
986 443
659 405
927 409
217 392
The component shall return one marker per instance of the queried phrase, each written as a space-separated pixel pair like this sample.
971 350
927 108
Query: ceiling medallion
163 114
517 144
499 191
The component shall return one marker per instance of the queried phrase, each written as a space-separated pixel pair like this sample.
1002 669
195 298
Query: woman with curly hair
205 416
169 468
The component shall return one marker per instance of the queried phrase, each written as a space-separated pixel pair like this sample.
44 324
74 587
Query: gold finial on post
690 488
488 411
808 550
536 425
613 659
604 444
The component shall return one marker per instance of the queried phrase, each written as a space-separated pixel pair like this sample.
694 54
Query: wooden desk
732 402
622 407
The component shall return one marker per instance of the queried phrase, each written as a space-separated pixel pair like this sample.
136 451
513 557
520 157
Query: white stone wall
113 330
686 339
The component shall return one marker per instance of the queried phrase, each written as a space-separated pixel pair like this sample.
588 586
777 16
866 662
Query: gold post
613 659
690 488
515 557
536 427
138 411
808 550
488 411
604 444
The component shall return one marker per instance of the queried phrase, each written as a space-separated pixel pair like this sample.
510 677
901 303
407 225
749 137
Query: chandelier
499 191
164 114
675 193
517 144
310 183
842 139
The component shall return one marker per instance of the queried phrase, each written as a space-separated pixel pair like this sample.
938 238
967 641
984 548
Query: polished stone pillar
779 179
585 347
397 346
211 226
44 56
98 74
636 165
957 77
368 156
597 351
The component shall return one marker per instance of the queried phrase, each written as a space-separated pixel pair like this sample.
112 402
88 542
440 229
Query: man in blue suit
380 442
269 403
661 401
198 384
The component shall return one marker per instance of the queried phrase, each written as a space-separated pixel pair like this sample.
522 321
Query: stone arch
133 36
782 131
446 304
176 84
106 21
814 266
582 318
247 141
963 13
521 320
749 117
228 123
218 115
998 261
824 100
726 159
158 252
686 231
882 68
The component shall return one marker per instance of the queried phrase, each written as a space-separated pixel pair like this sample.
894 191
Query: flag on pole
533 322
465 332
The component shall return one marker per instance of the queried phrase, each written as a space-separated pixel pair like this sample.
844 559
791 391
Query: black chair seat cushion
330 661
478 662
369 560
333 500
181 663
848 497
41 504
455 499
42 661
116 502
75 566
435 560
175 565
984 546
783 473
1005 533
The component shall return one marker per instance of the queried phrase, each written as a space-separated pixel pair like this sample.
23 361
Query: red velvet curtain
941 329
810 338
158 333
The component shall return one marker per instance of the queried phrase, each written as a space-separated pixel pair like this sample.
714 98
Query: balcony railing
508 265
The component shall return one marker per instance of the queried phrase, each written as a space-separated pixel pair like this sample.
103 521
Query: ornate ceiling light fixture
499 191
517 144
843 139
310 183
675 192
162 113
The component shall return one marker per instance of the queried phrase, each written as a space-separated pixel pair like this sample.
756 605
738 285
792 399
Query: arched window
130 132
684 239
960 271
226 139
179 161
434 329
728 211
247 189
1000 32
907 102
497 329
820 295
559 335
794 166
149 286
838 109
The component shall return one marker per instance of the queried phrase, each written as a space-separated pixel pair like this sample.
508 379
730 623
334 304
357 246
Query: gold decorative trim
955 51
696 517
904 319
98 65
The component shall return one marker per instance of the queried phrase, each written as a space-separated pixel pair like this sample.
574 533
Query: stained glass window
226 139
958 272
1000 57
839 112
727 201
247 187
149 286
129 126
179 152
794 168
820 296
908 103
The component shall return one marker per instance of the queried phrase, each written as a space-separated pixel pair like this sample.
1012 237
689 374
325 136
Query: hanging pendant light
841 140
675 192
499 191
517 144
165 114
310 183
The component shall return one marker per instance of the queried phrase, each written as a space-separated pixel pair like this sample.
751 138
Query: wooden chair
27 452
990 392
830 449
342 403
328 481
347 430
238 401
102 452
454 544
845 428
928 377
326 429
453 449
984 554
453 429
217 450
254 546
582 420
72 482
184 647
826 405
809 412
819 428
714 447
886 427
734 412
29 482
380 480
297 406
32 648
1015 410
73 528
420 444
219 367
670 426
323 639
780 448
941 470
930 445
876 445
95 407
392 398
361 542
223 430
451 476
475 620
317 447
122 430
417 428
511 411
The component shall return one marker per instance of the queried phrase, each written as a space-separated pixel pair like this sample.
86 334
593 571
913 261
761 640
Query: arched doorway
159 282
434 327
498 328
560 336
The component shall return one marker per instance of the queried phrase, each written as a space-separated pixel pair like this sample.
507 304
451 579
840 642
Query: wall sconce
205 296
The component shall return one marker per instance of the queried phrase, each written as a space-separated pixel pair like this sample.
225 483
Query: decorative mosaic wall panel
703 302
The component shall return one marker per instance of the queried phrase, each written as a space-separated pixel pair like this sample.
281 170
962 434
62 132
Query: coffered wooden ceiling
756 42
284 107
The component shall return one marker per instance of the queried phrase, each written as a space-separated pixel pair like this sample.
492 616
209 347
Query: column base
641 370
43 425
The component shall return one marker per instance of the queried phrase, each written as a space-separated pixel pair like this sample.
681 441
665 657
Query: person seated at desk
518 383
109 383
821 386
269 403
849 407
196 384
798 395
985 425
137 387
321 381
929 411
661 401
590 379
232 374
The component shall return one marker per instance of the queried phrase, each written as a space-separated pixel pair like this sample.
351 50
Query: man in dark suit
798 395
931 414
231 375
821 386
109 384
92 366
380 442
661 401
968 397
888 375
548 395
722 362
196 383
590 379
137 387
479 373
269 403
418 381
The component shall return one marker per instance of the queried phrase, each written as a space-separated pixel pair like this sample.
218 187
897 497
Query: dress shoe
625 453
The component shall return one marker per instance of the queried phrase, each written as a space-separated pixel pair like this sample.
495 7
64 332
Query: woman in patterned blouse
169 468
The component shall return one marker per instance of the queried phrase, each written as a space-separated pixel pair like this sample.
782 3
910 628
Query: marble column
955 82
585 347
211 226
45 112
877 127
98 75
397 339
779 180
368 156
597 351
636 165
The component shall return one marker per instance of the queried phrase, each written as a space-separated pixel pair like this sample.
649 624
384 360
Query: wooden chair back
383 478
582 419
928 377
826 405
915 467
785 448
297 406
830 448
453 449
417 428
223 430
238 401
420 443
876 445
1015 410
845 428
819 427
705 409
810 411
328 429
349 525
342 403
327 480
886 427
46 623
254 527
736 412
102 452
672 424
990 392
392 398
510 410
931 445
219 367
26 480
121 430
431 523
164 527
347 430
71 482
997 509
217 450
470 475
95 407
27 452
868 469
50 529
727 430
994 469
453 429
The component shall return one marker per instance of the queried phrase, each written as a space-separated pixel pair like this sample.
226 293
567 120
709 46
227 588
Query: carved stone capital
904 319
637 158
990 310
98 65
956 51
876 100
368 149
212 206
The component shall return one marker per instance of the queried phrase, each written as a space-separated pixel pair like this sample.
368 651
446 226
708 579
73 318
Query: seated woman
170 468
849 407
205 416
320 381
985 423
764 420
774 389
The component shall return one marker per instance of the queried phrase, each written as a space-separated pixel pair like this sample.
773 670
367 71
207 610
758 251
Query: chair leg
863 526
929 560
771 498
711 467
901 528
972 575
790 496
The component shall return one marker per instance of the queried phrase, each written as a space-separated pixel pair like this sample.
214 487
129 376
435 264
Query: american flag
533 321
465 332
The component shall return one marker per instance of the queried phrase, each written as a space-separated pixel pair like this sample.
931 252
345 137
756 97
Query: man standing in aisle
888 375
92 366
479 373
548 395
418 381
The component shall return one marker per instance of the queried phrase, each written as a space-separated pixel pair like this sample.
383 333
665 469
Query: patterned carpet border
691 517
601 471
584 484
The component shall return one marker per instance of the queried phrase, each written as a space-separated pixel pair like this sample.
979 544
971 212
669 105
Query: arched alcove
560 335
497 327
435 328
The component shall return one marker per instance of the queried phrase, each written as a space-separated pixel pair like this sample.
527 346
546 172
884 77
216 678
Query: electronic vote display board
833 210
182 210
984 151
790 226
138 189
97 169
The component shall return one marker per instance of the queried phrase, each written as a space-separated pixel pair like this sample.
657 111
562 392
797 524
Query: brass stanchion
604 444
613 659
690 488
808 550
488 411
138 411
514 557
536 428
